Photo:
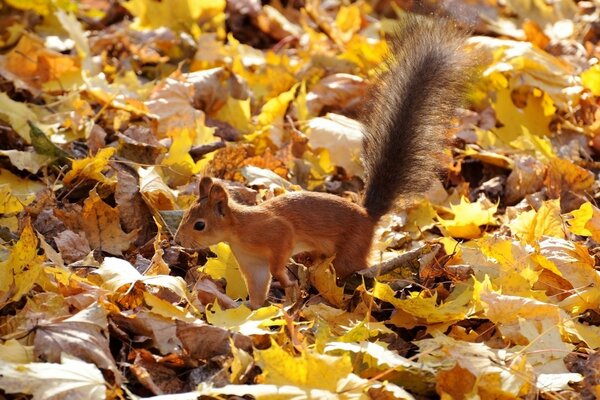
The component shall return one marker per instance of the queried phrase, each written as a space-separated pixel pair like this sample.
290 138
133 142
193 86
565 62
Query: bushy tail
410 110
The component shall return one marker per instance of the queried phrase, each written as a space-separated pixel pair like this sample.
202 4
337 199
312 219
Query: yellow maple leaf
324 280
237 114
468 217
16 192
530 226
268 74
178 165
309 370
91 167
21 270
226 266
585 221
540 146
177 14
246 321
154 190
535 116
41 7
426 308
274 110
348 21
9 204
514 272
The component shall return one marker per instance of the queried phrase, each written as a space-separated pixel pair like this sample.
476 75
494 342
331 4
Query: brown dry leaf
275 24
208 292
563 176
336 92
155 376
526 177
84 335
182 100
133 211
137 150
102 227
147 328
203 341
72 246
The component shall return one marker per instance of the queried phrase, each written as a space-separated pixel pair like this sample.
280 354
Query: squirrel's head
207 221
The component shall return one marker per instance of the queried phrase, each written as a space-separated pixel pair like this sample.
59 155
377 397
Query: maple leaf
173 13
91 167
324 280
20 271
102 228
424 308
468 217
585 221
244 320
309 370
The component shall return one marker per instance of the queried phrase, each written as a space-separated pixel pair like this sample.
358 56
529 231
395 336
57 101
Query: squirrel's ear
204 186
219 198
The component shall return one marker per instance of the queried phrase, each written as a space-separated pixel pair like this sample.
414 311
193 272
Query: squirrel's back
410 110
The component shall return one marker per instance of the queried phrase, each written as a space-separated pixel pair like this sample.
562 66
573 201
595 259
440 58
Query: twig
406 260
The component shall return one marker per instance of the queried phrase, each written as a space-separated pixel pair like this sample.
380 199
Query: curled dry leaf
337 92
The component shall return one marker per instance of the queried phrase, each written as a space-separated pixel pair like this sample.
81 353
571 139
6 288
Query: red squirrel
405 121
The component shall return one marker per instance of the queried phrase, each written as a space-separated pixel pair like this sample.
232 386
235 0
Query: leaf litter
488 285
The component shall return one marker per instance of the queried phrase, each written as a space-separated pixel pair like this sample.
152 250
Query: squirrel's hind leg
277 265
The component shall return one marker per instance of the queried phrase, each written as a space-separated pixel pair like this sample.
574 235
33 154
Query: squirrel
410 108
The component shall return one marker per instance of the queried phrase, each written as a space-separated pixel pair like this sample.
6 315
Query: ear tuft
204 186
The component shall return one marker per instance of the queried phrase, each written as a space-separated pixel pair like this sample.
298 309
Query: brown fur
268 234
408 114
410 110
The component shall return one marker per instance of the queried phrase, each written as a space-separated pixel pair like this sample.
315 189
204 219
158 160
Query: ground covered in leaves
110 109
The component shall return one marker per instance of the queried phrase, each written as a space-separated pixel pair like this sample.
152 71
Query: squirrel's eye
199 225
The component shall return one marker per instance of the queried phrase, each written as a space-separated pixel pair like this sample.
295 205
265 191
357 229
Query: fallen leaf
91 167
84 336
102 227
72 246
71 377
